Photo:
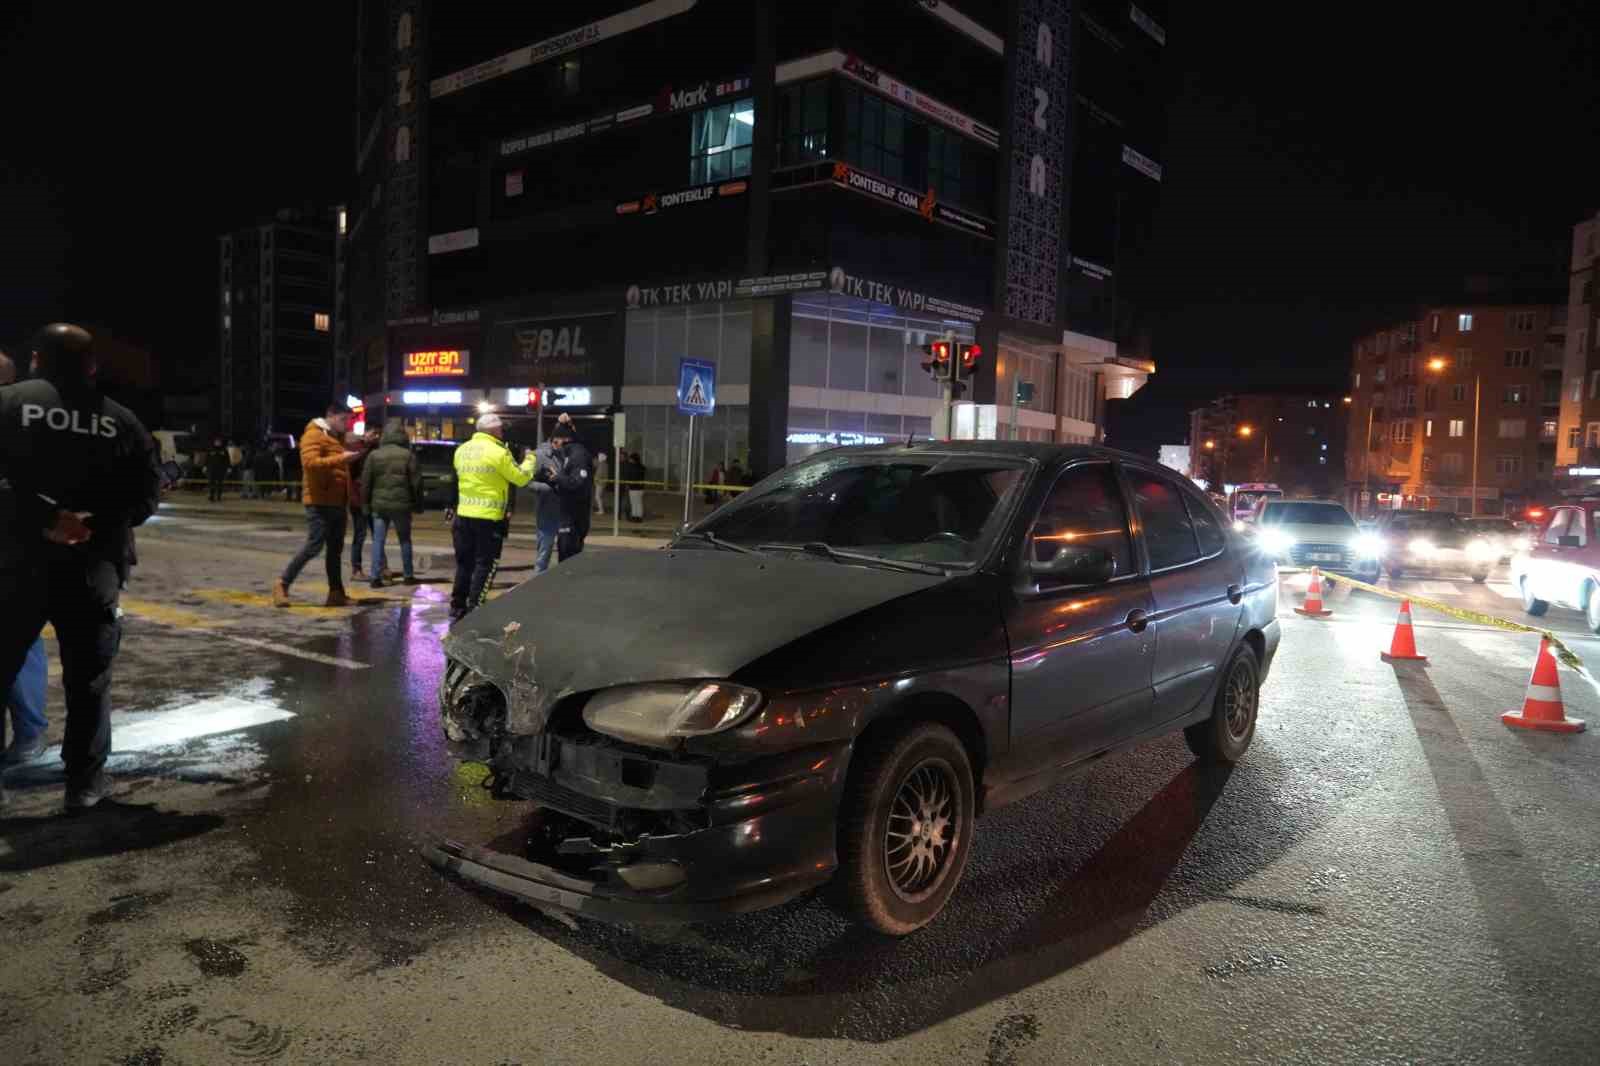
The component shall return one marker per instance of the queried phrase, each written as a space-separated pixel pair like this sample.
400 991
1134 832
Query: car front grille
1301 555
547 793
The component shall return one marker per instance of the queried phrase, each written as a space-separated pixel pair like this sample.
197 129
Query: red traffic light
535 397
938 355
970 354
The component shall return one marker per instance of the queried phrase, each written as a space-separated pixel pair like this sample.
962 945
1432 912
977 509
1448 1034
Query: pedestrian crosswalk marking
1507 590
1436 588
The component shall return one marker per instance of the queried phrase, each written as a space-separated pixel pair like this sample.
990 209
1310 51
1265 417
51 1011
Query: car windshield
1306 514
945 510
435 456
1493 525
1434 522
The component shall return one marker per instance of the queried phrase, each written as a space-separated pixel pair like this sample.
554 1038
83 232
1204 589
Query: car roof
436 443
1304 499
1044 452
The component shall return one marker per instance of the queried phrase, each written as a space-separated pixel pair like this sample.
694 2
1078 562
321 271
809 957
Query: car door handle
1137 620
1235 594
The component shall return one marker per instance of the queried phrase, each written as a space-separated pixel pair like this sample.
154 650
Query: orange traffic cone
1542 709
1403 648
1313 608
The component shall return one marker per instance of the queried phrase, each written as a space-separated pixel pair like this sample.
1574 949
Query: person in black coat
573 481
216 469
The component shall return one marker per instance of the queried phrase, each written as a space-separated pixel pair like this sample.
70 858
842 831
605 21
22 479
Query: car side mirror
1569 542
1075 565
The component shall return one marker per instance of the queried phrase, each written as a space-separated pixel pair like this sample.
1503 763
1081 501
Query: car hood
632 615
1317 534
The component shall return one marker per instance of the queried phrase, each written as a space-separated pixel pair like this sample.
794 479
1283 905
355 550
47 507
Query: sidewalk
652 533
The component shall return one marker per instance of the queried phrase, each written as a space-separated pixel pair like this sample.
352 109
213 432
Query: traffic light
969 355
936 359
535 397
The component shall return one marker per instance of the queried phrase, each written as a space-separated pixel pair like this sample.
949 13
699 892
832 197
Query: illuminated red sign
449 363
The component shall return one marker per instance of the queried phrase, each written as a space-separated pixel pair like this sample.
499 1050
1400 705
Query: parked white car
1317 533
1563 564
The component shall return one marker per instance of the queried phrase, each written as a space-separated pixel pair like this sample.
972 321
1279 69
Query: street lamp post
1437 364
1266 443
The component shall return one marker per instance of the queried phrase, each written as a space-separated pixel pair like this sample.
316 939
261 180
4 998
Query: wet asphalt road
1390 875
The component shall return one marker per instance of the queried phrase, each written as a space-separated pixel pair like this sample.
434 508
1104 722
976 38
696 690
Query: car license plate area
1325 557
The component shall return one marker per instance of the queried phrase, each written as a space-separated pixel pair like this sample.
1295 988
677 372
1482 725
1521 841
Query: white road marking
1437 588
1502 588
284 649
162 729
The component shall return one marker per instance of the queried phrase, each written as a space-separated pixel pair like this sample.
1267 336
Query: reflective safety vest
484 469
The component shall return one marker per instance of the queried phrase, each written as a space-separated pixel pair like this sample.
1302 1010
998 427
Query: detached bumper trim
546 887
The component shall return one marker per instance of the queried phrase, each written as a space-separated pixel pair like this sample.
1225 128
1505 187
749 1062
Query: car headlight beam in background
1274 541
1482 549
1368 545
659 715
1423 548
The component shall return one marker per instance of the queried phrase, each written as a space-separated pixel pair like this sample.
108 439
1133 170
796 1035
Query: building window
1383 344
875 131
1513 395
321 321
1463 358
1358 379
1464 322
1433 327
1511 428
1577 389
1594 384
1520 321
1505 465
343 219
719 142
1400 431
1427 429
1458 394
1547 429
1591 438
1407 366
1552 391
1451 464
1458 427
1427 464
1408 397
1380 375
1430 397
1588 291
803 123
1519 357
1574 434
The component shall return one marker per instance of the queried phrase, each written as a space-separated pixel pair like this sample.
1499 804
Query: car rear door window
1168 533
1207 528
1084 508
1557 527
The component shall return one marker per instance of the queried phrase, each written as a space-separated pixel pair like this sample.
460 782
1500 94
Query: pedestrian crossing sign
697 387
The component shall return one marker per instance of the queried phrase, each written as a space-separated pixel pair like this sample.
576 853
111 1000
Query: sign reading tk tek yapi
447 363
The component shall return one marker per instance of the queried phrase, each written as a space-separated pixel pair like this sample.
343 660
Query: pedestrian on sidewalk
547 509
247 474
601 469
573 481
633 472
26 700
360 516
391 483
326 495
216 469
485 473
68 498
266 472
713 478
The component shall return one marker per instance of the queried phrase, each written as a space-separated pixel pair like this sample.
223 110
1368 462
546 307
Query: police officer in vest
77 472
485 473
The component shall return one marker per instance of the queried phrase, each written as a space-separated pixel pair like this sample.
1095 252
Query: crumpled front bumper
766 833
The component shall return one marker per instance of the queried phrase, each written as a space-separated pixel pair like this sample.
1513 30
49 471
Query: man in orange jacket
325 472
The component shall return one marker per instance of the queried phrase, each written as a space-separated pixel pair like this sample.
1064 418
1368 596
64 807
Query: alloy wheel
1239 700
924 826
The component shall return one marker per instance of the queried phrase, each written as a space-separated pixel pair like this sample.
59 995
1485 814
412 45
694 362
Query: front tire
905 829
1226 735
1591 609
1531 604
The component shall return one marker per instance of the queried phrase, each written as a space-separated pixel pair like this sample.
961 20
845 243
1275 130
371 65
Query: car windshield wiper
715 541
828 551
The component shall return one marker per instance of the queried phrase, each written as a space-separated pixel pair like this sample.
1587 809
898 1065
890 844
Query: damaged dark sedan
827 681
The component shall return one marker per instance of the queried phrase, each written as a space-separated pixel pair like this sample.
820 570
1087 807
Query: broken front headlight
659 715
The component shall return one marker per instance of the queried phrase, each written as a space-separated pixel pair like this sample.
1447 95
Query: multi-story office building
1578 438
1293 439
275 324
1461 400
580 195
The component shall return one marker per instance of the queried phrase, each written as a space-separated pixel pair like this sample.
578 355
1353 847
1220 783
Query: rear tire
1480 576
1226 735
905 829
1591 609
1531 604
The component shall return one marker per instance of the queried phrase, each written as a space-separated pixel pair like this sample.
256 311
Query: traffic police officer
77 472
485 472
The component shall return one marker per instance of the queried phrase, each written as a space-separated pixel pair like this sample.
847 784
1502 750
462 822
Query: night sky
1325 168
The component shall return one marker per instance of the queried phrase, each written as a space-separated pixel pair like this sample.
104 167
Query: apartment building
1457 409
1578 438
1292 438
